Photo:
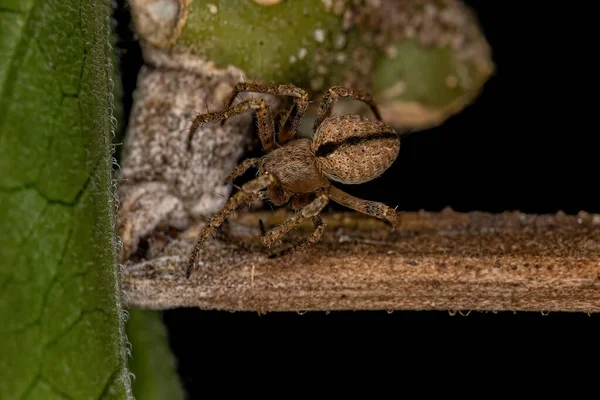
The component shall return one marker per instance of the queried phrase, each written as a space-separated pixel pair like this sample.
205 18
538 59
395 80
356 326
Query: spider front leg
266 129
290 126
248 193
309 211
242 168
335 93
373 208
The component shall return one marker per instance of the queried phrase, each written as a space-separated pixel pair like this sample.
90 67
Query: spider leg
261 226
306 243
292 121
240 169
309 211
335 93
266 129
289 127
373 208
249 192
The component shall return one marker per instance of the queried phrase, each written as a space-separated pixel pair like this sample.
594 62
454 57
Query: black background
528 143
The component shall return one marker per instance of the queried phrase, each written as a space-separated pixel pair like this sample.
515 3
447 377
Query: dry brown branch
435 261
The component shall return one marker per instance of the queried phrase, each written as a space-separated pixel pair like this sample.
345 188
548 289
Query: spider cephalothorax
349 149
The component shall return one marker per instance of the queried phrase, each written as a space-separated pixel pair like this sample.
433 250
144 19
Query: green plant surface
423 72
423 60
152 362
62 332
271 43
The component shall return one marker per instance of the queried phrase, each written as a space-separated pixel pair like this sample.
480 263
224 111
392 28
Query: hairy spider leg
307 242
310 210
266 129
335 93
242 168
373 208
237 172
295 115
292 120
248 193
281 117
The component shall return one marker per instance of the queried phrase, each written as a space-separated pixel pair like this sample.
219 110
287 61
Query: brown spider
348 149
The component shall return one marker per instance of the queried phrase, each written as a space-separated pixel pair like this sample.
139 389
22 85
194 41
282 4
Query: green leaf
62 335
152 363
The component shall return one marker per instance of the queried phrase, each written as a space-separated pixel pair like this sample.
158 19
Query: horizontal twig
434 261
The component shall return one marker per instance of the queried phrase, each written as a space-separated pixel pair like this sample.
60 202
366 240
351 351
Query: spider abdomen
352 149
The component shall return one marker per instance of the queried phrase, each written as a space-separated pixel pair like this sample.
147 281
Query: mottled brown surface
354 149
434 261
166 179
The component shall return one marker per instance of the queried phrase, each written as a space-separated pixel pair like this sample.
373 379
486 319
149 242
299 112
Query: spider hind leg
336 93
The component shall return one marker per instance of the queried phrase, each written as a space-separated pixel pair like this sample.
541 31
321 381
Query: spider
348 149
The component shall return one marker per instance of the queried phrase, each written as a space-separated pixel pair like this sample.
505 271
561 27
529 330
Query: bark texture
434 261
